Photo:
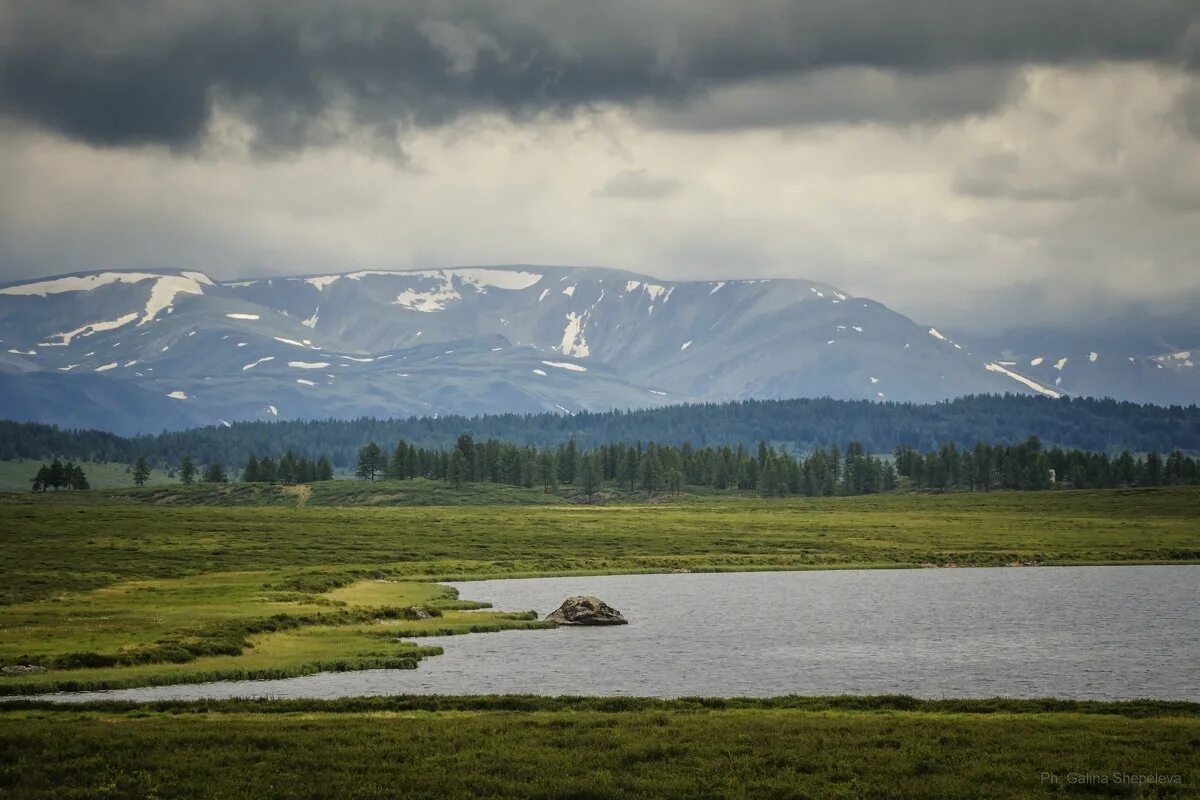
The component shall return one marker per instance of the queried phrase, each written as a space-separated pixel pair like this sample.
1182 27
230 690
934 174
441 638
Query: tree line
804 425
770 471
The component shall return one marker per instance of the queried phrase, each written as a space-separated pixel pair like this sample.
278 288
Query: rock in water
586 610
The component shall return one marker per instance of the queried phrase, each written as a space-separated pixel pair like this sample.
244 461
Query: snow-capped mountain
140 351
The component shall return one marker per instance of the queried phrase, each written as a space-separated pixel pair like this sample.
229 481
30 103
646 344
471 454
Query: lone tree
371 462
141 471
187 470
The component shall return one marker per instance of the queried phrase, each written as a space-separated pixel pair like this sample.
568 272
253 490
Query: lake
1098 633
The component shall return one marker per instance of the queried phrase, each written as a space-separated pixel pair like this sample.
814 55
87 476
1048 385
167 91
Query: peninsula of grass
103 591
525 747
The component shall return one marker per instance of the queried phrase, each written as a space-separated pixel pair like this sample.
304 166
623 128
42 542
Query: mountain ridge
489 339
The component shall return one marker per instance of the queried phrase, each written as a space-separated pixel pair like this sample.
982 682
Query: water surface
1074 632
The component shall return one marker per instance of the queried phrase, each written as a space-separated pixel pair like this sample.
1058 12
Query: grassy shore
103 592
593 748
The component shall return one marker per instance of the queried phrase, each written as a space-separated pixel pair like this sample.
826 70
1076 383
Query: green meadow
134 587
108 589
514 747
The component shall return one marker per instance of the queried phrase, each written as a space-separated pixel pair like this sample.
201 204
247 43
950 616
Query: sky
990 164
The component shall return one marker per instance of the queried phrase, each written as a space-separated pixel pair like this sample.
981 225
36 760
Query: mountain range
145 351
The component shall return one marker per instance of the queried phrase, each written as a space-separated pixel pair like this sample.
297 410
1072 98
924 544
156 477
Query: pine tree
251 473
324 469
78 478
287 468
214 473
141 471
548 471
675 481
589 474
42 479
187 470
456 473
371 462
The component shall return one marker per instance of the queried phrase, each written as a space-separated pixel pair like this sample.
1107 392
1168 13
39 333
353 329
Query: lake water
1073 632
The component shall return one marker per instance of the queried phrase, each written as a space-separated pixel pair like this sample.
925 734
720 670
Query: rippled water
1076 632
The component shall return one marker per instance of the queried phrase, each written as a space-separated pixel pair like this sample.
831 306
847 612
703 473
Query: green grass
17 476
581 748
206 585
105 592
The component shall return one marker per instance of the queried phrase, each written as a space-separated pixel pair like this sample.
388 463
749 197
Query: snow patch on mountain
573 342
565 365
992 366
96 327
168 287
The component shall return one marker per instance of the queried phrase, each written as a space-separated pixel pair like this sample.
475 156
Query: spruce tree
589 474
141 471
214 473
324 469
251 473
458 469
371 462
187 470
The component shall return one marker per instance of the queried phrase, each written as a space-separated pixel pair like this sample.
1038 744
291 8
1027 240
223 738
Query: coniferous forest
797 426
654 468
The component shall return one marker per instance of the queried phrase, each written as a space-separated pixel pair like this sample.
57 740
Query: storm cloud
301 72
992 163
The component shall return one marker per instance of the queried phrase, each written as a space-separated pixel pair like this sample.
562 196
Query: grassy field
101 590
17 476
617 748
138 587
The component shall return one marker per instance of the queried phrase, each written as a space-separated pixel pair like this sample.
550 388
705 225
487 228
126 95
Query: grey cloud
637 184
1000 176
125 72
846 95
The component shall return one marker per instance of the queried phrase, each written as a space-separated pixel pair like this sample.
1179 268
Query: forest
798 426
765 470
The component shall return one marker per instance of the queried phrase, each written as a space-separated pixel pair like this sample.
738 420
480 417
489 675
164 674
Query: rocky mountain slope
143 351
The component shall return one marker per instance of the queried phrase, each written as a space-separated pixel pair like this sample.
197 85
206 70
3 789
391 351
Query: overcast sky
983 163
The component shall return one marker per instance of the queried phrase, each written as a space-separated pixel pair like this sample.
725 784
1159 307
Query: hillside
139 352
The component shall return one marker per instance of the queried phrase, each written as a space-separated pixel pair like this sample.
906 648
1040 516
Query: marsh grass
593 748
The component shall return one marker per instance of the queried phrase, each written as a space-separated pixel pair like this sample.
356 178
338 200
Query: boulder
586 610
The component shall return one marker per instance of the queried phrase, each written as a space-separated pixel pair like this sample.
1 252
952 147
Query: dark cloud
121 72
853 95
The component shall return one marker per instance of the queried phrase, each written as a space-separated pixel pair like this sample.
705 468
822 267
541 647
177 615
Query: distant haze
986 165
